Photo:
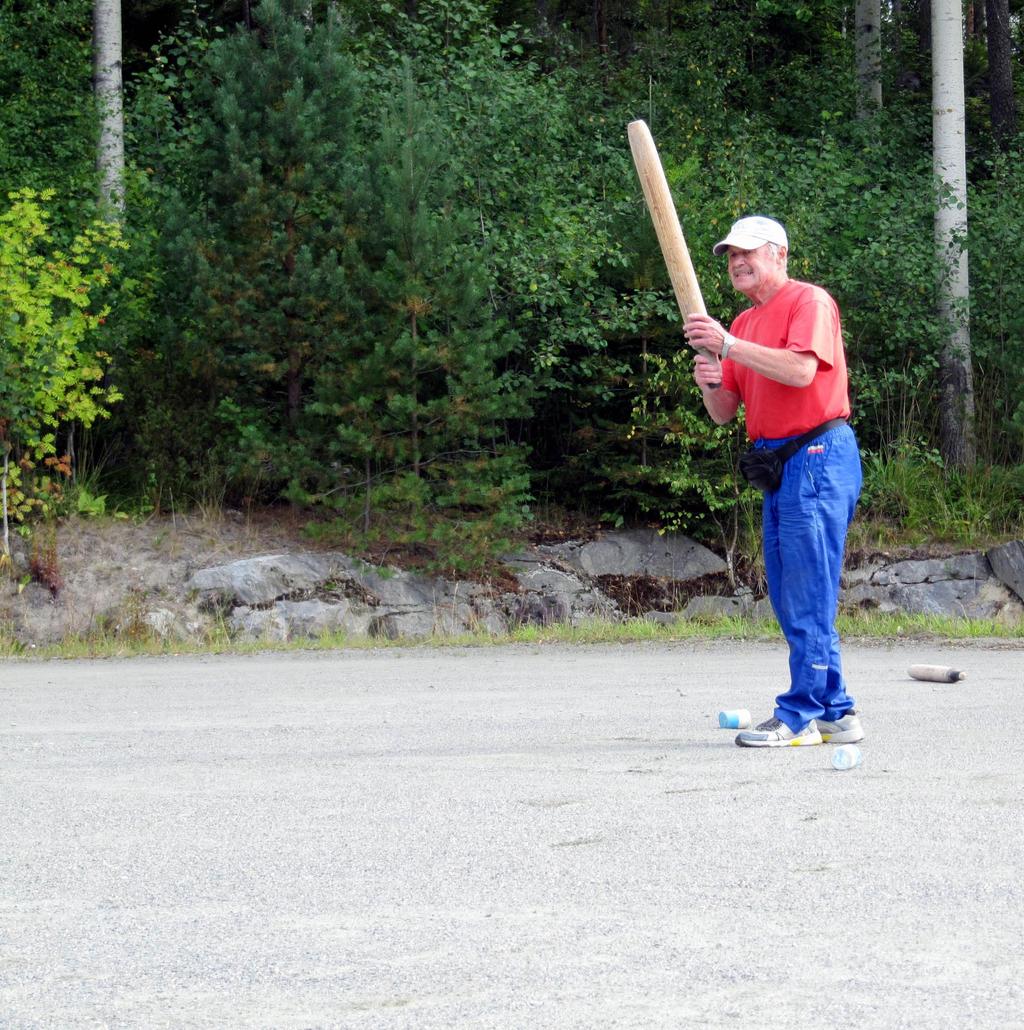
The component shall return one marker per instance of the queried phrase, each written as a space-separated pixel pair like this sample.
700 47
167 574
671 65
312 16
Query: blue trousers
804 525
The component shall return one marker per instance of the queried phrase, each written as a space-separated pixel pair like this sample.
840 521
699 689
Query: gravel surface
506 837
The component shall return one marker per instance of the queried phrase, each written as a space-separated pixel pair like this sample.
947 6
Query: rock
39 618
861 574
663 618
339 594
742 603
560 583
934 570
411 624
640 552
163 622
551 594
488 616
286 620
259 581
409 606
571 575
315 618
715 606
1007 563
539 610
131 578
259 624
961 586
397 589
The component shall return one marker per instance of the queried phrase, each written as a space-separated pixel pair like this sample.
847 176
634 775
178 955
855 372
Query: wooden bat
936 673
666 222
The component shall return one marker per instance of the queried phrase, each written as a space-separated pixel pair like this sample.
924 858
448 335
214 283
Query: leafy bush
50 371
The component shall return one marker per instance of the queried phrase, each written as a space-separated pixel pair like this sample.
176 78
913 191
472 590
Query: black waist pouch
762 466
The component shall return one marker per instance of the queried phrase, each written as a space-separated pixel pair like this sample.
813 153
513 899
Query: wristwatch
727 341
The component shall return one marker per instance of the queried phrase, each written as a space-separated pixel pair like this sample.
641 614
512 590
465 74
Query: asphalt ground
506 837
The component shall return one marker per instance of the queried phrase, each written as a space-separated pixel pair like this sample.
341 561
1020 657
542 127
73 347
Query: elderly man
783 359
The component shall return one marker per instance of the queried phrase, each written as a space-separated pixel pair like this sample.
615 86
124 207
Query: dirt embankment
83 575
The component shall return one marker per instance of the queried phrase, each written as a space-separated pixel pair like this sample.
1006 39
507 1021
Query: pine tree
423 401
275 174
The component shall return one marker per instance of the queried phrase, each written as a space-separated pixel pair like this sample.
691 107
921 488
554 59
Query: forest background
389 264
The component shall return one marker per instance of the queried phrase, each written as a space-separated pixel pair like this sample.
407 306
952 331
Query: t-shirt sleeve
814 327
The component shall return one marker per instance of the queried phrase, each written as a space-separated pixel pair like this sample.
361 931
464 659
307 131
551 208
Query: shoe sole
842 737
806 740
851 735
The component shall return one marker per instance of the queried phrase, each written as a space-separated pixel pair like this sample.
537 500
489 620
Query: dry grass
868 627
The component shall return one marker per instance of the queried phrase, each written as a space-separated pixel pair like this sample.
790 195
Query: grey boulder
1007 563
640 552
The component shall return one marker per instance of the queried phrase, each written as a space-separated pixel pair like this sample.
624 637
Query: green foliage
909 497
997 307
322 304
47 115
90 505
50 372
541 184
165 100
448 523
249 250
578 273
377 289
416 398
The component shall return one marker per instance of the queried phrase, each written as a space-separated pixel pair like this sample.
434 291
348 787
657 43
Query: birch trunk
868 22
949 164
107 84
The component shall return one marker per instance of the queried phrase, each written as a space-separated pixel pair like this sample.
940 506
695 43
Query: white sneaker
775 733
846 730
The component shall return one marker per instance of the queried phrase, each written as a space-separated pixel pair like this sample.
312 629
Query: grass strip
862 626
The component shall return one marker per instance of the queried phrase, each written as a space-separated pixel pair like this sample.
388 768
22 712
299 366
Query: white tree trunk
867 33
949 162
107 84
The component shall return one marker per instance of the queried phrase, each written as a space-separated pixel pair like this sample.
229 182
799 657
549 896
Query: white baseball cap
751 233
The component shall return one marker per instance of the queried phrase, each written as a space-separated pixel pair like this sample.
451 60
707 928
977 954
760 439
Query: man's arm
789 367
721 405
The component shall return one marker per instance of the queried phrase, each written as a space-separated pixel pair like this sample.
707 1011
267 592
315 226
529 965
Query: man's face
756 272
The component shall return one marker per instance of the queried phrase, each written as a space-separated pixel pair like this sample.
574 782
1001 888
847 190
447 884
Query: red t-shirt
800 317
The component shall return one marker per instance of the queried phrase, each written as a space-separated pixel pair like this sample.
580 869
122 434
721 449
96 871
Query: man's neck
767 291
